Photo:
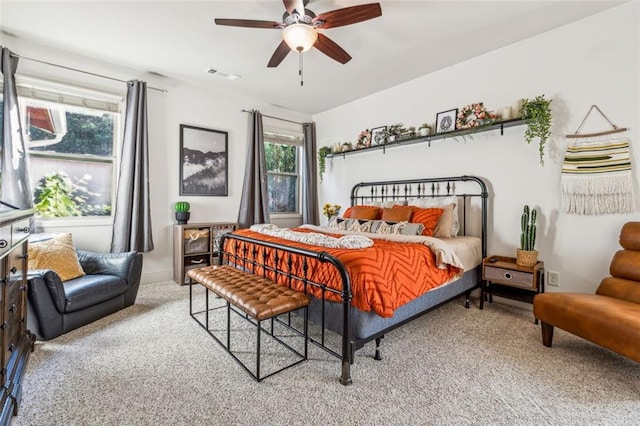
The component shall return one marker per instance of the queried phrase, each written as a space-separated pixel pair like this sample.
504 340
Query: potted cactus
526 255
182 212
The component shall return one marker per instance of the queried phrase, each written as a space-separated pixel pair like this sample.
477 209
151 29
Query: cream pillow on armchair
57 254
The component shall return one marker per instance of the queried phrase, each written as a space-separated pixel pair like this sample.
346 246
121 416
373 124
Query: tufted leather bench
257 297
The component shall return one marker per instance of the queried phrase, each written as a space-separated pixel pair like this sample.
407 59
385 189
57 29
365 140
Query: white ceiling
178 39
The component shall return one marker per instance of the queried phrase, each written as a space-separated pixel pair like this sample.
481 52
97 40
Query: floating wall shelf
500 125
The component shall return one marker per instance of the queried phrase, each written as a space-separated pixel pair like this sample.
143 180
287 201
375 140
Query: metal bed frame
339 317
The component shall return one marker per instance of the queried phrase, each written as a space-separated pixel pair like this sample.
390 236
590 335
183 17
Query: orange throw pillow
427 217
363 212
397 214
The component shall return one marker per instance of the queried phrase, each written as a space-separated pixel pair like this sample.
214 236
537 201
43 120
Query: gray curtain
132 216
254 204
16 188
310 208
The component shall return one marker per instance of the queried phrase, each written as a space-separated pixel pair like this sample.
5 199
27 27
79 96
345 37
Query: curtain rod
277 118
82 71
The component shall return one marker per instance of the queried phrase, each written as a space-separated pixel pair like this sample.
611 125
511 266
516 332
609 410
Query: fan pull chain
300 68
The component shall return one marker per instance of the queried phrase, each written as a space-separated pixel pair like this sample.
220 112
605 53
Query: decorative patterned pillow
357 226
337 223
57 254
407 229
440 202
372 226
397 213
387 228
428 217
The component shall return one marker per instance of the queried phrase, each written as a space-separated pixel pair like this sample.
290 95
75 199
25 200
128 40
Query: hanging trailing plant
322 154
536 113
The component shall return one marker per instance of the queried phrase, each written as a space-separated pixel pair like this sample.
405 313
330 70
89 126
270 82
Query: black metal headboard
466 188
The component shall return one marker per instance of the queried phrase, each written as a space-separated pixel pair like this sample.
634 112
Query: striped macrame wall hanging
596 173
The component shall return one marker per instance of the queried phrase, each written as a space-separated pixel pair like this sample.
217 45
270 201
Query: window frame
43 92
277 131
297 174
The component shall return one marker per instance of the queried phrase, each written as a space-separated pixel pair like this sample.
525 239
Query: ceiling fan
300 25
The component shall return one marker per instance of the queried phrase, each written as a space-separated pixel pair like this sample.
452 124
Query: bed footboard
293 267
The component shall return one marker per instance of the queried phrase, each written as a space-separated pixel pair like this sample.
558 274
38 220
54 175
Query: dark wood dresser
17 342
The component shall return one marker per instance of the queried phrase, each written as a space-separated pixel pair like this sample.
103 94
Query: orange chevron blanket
383 277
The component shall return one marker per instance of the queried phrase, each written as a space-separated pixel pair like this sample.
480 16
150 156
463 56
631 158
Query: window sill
285 215
48 223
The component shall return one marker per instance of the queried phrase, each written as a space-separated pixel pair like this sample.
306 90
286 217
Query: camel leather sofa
611 316
110 284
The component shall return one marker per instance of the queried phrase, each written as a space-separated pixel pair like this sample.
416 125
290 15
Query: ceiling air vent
222 74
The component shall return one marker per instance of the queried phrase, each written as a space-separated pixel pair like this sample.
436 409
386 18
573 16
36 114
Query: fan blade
348 15
331 49
281 52
297 5
249 23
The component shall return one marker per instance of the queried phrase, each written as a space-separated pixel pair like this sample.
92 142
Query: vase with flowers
330 210
364 139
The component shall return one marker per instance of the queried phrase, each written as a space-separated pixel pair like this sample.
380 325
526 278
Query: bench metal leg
206 308
306 330
259 328
228 326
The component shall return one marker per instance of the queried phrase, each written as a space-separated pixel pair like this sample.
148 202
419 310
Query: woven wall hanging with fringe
596 172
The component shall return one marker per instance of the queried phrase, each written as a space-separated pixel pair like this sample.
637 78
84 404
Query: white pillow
386 204
428 202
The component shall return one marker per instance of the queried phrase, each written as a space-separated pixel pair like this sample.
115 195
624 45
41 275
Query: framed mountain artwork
203 162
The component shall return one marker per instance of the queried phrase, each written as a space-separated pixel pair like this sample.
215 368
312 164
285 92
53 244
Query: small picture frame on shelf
446 121
379 135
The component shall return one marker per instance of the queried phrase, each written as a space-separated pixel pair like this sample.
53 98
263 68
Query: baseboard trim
156 276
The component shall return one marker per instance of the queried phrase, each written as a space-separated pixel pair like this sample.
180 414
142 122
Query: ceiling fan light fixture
300 37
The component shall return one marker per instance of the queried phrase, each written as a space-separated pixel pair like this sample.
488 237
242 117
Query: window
283 144
70 135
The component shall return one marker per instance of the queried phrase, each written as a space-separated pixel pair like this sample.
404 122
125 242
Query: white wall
183 104
593 61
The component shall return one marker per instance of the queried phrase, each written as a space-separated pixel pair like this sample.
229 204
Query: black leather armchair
110 284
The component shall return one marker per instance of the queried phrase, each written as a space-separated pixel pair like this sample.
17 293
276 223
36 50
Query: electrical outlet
553 278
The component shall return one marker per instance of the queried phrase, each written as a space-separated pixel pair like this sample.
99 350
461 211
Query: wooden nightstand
196 245
501 276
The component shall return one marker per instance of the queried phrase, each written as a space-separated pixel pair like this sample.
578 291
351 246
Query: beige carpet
151 364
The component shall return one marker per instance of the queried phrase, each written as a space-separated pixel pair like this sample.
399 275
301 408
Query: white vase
506 113
425 131
392 138
515 108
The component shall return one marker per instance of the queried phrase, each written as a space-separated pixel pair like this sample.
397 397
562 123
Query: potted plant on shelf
322 155
526 255
409 133
347 146
182 212
394 131
425 129
536 114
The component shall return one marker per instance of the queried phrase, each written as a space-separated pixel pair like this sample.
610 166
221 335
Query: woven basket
526 257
